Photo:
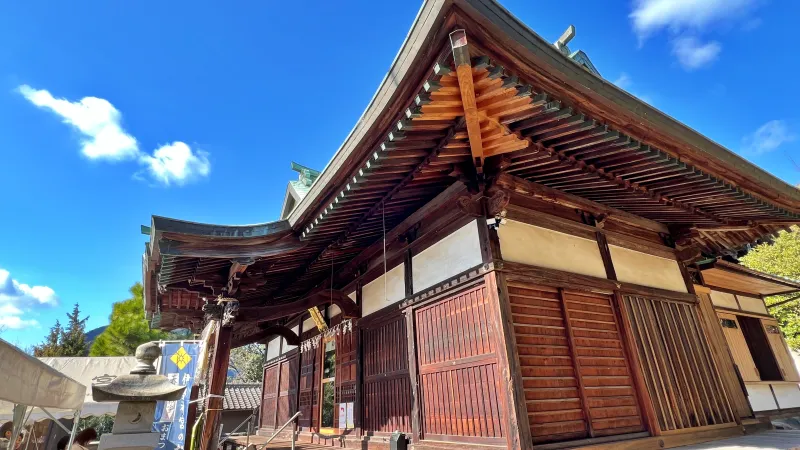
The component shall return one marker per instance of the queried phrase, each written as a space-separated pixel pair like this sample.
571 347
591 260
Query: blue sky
113 111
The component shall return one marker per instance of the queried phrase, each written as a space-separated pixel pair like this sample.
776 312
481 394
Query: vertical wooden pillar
628 343
357 403
413 373
509 387
299 377
225 316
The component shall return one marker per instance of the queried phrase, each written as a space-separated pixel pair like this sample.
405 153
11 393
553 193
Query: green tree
52 344
128 328
247 364
65 341
73 337
781 258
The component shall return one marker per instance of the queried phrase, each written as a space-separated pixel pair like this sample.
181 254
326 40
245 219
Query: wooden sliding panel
677 364
738 347
345 383
609 395
269 396
309 390
387 387
555 406
727 365
458 365
287 390
781 350
575 372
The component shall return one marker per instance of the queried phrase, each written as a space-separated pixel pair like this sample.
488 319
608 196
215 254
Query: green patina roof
306 179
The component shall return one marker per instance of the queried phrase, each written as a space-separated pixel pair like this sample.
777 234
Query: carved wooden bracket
490 204
224 310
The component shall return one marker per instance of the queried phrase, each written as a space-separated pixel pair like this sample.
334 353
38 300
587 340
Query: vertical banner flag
178 363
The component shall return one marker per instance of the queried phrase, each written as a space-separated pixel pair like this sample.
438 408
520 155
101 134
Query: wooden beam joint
458 43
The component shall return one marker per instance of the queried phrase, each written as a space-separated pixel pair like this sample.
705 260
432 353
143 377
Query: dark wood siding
269 393
287 395
575 374
678 368
387 387
309 390
346 365
458 368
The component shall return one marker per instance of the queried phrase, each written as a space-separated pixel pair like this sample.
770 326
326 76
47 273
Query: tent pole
75 420
19 425
57 422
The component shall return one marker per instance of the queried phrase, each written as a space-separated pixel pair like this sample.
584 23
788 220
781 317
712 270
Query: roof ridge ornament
579 56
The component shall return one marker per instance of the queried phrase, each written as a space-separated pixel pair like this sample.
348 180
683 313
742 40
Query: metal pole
249 430
75 420
783 302
56 421
294 433
294 417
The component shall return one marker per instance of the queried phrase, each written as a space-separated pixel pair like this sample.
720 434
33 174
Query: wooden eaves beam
266 333
458 42
314 299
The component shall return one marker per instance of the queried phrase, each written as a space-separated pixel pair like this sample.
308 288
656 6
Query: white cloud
693 54
18 299
767 137
623 81
95 118
176 163
650 16
100 123
687 20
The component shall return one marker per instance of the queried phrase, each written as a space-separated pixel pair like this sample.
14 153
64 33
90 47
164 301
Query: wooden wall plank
780 350
387 384
728 370
458 368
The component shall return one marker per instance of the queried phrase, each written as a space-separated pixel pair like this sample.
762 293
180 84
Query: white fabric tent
84 370
26 382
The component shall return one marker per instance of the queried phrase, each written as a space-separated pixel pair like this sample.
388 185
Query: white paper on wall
342 416
350 422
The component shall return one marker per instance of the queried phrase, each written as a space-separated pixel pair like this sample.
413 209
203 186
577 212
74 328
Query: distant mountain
91 335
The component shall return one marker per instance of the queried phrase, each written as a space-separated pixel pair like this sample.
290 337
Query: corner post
509 386
225 314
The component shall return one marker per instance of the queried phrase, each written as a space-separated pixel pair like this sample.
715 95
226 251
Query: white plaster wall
334 310
457 252
760 397
286 347
274 348
752 304
788 395
352 296
541 247
308 324
372 294
723 300
647 270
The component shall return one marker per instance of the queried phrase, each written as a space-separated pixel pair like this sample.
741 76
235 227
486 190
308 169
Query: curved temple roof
544 118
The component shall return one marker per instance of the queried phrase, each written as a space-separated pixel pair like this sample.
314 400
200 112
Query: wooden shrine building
503 253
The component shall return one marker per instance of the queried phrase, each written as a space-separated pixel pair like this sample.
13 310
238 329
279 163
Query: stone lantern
137 394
